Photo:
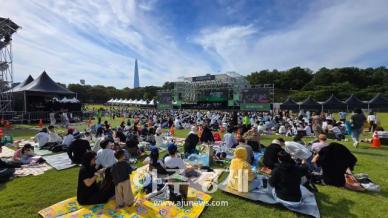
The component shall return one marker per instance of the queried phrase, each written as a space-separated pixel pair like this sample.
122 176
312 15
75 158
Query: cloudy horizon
99 40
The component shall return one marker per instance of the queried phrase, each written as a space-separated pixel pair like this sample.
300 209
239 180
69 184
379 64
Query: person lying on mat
286 178
88 190
335 160
240 167
78 148
270 158
24 155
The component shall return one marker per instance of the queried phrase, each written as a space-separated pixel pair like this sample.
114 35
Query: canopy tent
333 103
353 102
378 102
289 104
22 84
44 84
35 94
310 104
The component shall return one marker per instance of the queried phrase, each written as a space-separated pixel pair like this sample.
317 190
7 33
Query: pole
25 102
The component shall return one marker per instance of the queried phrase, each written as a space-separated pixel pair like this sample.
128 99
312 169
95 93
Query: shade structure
333 103
378 102
22 84
44 84
289 104
310 104
353 102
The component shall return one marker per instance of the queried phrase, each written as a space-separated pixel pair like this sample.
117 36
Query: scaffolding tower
7 28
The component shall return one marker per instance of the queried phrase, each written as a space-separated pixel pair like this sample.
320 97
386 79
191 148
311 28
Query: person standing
357 121
120 175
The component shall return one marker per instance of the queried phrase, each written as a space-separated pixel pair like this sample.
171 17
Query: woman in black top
89 191
207 135
286 178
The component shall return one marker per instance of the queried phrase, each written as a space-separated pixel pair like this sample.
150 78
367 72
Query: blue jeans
356 134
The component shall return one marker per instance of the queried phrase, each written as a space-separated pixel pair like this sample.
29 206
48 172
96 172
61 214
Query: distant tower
136 83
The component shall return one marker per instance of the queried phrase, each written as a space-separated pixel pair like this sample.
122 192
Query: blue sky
98 40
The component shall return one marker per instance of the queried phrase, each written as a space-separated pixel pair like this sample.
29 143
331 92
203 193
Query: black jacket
207 135
270 158
286 179
334 160
77 149
190 143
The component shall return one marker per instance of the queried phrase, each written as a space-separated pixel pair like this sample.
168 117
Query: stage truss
7 28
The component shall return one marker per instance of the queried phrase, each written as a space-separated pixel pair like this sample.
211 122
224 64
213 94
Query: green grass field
24 197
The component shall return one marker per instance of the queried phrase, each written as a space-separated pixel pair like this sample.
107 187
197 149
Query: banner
165 100
256 99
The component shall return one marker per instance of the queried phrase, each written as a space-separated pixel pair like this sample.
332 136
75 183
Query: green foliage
300 83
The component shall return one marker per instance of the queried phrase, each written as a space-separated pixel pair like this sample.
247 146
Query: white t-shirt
174 162
54 137
42 138
105 158
68 139
372 118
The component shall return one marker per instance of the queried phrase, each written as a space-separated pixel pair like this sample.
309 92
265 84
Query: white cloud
53 38
331 35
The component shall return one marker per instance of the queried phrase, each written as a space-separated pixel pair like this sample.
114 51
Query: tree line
297 82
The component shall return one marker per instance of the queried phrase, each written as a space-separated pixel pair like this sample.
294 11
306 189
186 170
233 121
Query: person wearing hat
173 161
270 158
78 148
42 138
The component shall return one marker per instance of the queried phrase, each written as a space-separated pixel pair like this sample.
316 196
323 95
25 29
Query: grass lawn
24 197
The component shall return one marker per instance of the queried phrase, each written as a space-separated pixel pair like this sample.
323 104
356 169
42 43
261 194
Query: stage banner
165 100
256 99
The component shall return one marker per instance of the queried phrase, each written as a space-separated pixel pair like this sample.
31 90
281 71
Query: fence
31 117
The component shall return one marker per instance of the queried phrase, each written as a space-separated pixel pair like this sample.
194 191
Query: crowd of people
287 162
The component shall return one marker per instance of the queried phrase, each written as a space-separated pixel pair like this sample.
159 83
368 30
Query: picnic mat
308 205
59 161
42 152
7 152
205 180
34 170
143 208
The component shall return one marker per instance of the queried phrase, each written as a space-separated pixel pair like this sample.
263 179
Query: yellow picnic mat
143 208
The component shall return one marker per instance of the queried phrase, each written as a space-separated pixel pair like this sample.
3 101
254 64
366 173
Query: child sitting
120 175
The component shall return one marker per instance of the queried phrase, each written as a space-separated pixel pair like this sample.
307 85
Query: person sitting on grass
191 142
286 179
173 161
336 160
78 148
89 191
270 158
207 136
229 139
120 175
239 166
317 146
42 138
54 138
24 155
106 156
68 139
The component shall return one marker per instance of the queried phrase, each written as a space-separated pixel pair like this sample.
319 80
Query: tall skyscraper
136 83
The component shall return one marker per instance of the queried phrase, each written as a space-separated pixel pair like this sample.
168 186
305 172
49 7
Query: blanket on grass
308 205
59 161
142 208
34 170
7 152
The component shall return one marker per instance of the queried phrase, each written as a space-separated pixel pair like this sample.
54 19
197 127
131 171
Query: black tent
22 84
333 103
289 104
353 102
378 102
35 95
310 104
44 84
